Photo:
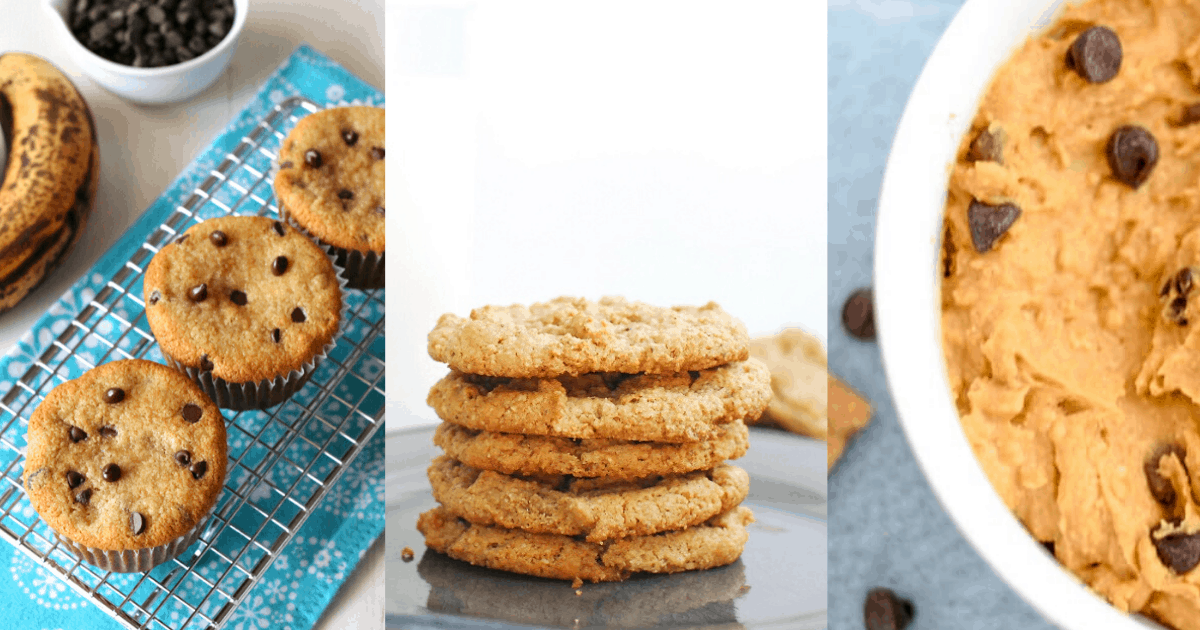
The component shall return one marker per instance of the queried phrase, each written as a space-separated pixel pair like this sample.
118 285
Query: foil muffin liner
361 270
137 560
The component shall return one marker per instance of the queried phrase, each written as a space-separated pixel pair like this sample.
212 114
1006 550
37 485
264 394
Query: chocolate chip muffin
331 184
125 463
246 306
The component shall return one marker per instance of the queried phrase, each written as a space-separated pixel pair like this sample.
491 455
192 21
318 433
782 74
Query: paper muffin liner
137 560
362 270
266 393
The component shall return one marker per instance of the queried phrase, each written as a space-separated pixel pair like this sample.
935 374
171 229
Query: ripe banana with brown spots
53 168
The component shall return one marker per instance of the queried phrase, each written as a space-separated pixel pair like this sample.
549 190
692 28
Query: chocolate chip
988 223
279 229
276 335
198 293
858 314
183 458
1132 154
137 523
181 239
1160 487
884 610
379 210
108 432
987 147
192 412
155 296
77 434
345 195
312 158
114 395
84 497
75 479
1183 281
1191 115
198 469
1049 545
1166 288
286 164
237 297
1177 307
1095 54
350 136
155 14
279 265
298 315
111 472
377 153
1180 552
206 363
218 238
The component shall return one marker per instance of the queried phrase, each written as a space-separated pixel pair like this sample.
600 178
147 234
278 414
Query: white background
142 149
670 152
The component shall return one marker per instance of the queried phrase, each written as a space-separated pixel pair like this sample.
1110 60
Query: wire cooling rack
281 461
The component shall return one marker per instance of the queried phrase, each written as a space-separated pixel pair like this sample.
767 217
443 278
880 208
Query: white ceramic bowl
982 36
152 86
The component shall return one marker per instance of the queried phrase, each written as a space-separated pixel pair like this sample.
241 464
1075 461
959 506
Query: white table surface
142 149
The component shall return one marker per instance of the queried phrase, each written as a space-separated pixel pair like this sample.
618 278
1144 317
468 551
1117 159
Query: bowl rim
60 20
939 111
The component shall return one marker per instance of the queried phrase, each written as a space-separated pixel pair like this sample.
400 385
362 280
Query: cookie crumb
577 583
578 592
406 554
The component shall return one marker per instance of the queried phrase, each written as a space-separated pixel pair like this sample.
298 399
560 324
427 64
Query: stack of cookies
587 440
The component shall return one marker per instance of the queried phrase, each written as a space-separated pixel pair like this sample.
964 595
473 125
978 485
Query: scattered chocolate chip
84 497
114 395
1180 552
884 610
206 363
237 297
279 265
1160 487
298 315
276 335
183 458
108 432
1095 54
350 136
406 554
1049 545
987 147
1132 154
192 412
345 195
137 523
218 238
198 469
858 314
111 472
155 296
279 229
77 434
75 479
377 153
312 157
198 293
1183 281
988 223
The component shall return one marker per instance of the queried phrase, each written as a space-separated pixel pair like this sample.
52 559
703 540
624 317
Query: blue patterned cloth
299 584
886 527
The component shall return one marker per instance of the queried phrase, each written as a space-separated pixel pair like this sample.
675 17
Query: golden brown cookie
686 407
247 301
331 183
715 543
598 509
124 461
513 453
577 336
799 382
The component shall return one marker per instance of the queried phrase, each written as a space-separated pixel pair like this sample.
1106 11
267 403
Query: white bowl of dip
907 287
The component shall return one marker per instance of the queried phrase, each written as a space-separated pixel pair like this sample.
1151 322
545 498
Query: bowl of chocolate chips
151 51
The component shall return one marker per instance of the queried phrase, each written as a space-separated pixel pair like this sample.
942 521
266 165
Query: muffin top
128 456
331 176
247 298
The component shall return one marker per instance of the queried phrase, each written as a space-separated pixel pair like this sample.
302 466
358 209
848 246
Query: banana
49 184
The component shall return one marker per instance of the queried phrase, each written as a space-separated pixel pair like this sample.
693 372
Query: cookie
715 543
799 382
246 305
513 453
577 336
125 463
596 509
685 407
331 183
